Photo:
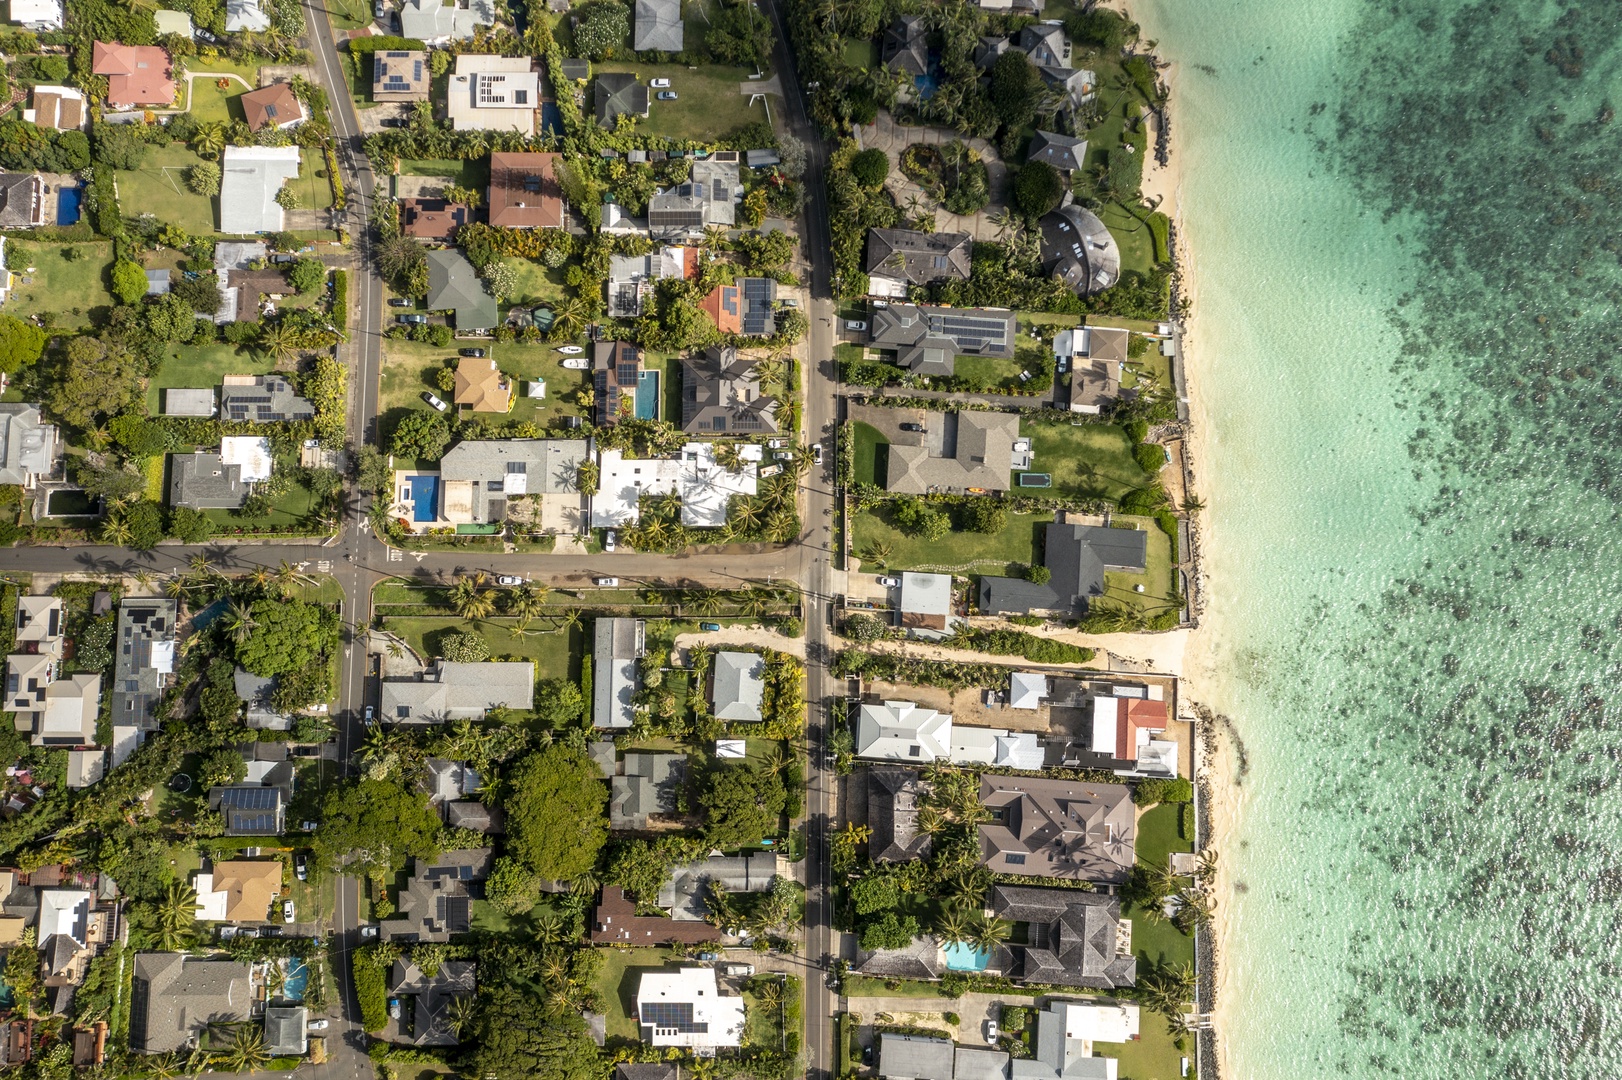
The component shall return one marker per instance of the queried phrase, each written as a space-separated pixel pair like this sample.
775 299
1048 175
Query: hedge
1152 791
1038 650
384 42
340 299
371 990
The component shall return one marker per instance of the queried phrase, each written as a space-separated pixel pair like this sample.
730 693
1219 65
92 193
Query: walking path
893 138
1012 401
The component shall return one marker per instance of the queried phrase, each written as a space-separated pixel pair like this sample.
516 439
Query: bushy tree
870 167
1037 188
99 379
875 892
287 636
603 27
559 704
376 825
1016 87
1038 575
986 516
421 435
129 281
512 887
862 629
307 275
741 805
464 648
191 526
204 178
20 343
889 931
556 817
515 1037
1154 790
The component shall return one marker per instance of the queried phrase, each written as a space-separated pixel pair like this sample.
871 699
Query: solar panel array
970 333
673 1016
255 798
625 373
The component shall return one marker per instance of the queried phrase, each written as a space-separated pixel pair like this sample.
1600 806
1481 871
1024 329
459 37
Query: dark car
270 931
393 121
666 95
411 320
475 353
912 427
867 1055
283 259
399 301
301 868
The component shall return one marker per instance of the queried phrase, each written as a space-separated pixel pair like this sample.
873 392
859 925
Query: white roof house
493 93
1026 690
1061 1055
63 911
253 175
926 605
37 15
705 487
993 746
85 767
252 452
71 707
902 731
685 1008
246 15
1100 1021
436 23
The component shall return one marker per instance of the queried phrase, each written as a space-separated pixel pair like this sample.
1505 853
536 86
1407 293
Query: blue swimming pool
424 498
67 206
298 976
647 396
961 956
551 118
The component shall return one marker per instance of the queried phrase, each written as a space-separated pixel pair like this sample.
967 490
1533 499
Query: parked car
609 540
659 84
282 259
991 1032
889 582
433 399
1025 376
228 932
856 324
710 957
208 36
301 868
738 969
394 1008
367 933
248 931
816 453
783 455
775 444
318 1025
509 579
369 714
477 354
399 301
867 1055
606 582
666 95
393 121
288 915
709 627
913 427
411 320
270 931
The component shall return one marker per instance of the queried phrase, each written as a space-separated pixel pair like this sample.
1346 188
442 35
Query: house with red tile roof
136 74
273 106
524 191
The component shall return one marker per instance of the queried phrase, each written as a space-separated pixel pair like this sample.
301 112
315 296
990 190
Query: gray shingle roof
287 1030
977 451
437 901
175 997
262 398
497 470
432 996
649 784
720 394
203 482
903 48
617 645
1078 250
1064 152
892 814
686 891
658 26
1071 936
738 685
918 257
1052 827
1077 557
454 285
706 198
618 93
913 1057
145 643
458 691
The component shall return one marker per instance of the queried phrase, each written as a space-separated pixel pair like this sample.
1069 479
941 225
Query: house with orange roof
481 386
136 74
58 108
524 191
746 307
273 106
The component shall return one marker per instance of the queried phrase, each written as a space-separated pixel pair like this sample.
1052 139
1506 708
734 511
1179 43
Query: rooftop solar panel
672 1016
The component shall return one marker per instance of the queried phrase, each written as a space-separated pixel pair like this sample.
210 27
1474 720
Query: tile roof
481 386
524 191
136 74
615 921
433 219
272 106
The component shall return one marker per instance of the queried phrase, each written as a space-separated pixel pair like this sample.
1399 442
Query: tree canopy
377 825
287 636
20 343
515 1037
556 816
741 805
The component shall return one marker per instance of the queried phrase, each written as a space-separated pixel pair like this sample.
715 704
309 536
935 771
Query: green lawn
1154 1056
1136 242
1159 834
1002 553
200 367
159 187
869 469
67 288
709 105
1157 581
1088 461
410 367
990 374
290 509
473 172
860 53
348 14
617 982
536 284
863 986
556 653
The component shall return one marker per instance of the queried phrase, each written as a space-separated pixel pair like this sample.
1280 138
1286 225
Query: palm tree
708 601
209 141
878 552
247 1052
548 925
782 526
953 926
1193 504
463 1010
176 587
988 933
746 513
239 622
471 600
163 1066
278 340
526 601
569 319
177 913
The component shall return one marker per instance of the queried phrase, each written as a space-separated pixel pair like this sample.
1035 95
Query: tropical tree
210 140
988 932
177 914
278 340
247 1052
953 927
471 600
239 621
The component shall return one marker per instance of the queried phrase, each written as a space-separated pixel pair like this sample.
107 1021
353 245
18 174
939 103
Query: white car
856 325
890 582
318 1025
991 1032
660 84
816 453
287 911
577 363
606 582
509 579
608 540
570 350
433 400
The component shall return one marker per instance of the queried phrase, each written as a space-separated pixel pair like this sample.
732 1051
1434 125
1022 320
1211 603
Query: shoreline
1218 787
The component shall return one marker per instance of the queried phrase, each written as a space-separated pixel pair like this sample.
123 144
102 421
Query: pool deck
404 507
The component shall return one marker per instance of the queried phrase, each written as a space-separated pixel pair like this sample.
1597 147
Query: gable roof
253 175
918 257
246 15
59 108
432 20
437 901
720 394
658 26
454 285
617 644
524 191
1064 152
616 93
615 921
686 891
914 1057
455 691
976 451
136 74
738 685
1051 827
262 398
902 731
649 784
1073 939
892 813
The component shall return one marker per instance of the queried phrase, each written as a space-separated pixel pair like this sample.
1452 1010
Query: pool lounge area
647 395
416 499
961 956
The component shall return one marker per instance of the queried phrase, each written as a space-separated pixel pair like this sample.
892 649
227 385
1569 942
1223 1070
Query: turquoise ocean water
1407 222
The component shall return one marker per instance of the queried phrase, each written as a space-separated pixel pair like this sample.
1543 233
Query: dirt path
753 636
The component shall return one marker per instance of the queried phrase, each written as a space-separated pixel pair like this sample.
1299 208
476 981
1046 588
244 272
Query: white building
1124 727
704 485
903 731
1065 1032
1027 690
251 452
253 176
685 1008
37 15
436 23
926 606
63 911
994 746
493 93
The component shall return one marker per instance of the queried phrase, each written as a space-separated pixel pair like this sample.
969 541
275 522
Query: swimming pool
961 956
67 206
551 118
298 977
424 498
647 395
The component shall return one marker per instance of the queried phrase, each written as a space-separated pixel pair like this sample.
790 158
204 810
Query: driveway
743 635
887 135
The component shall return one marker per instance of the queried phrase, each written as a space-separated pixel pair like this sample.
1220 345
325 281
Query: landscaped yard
556 652
870 469
536 284
617 982
1132 235
69 288
1089 461
709 105
989 553
159 188
1160 834
1154 1056
411 367
293 508
470 173
1156 581
201 367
